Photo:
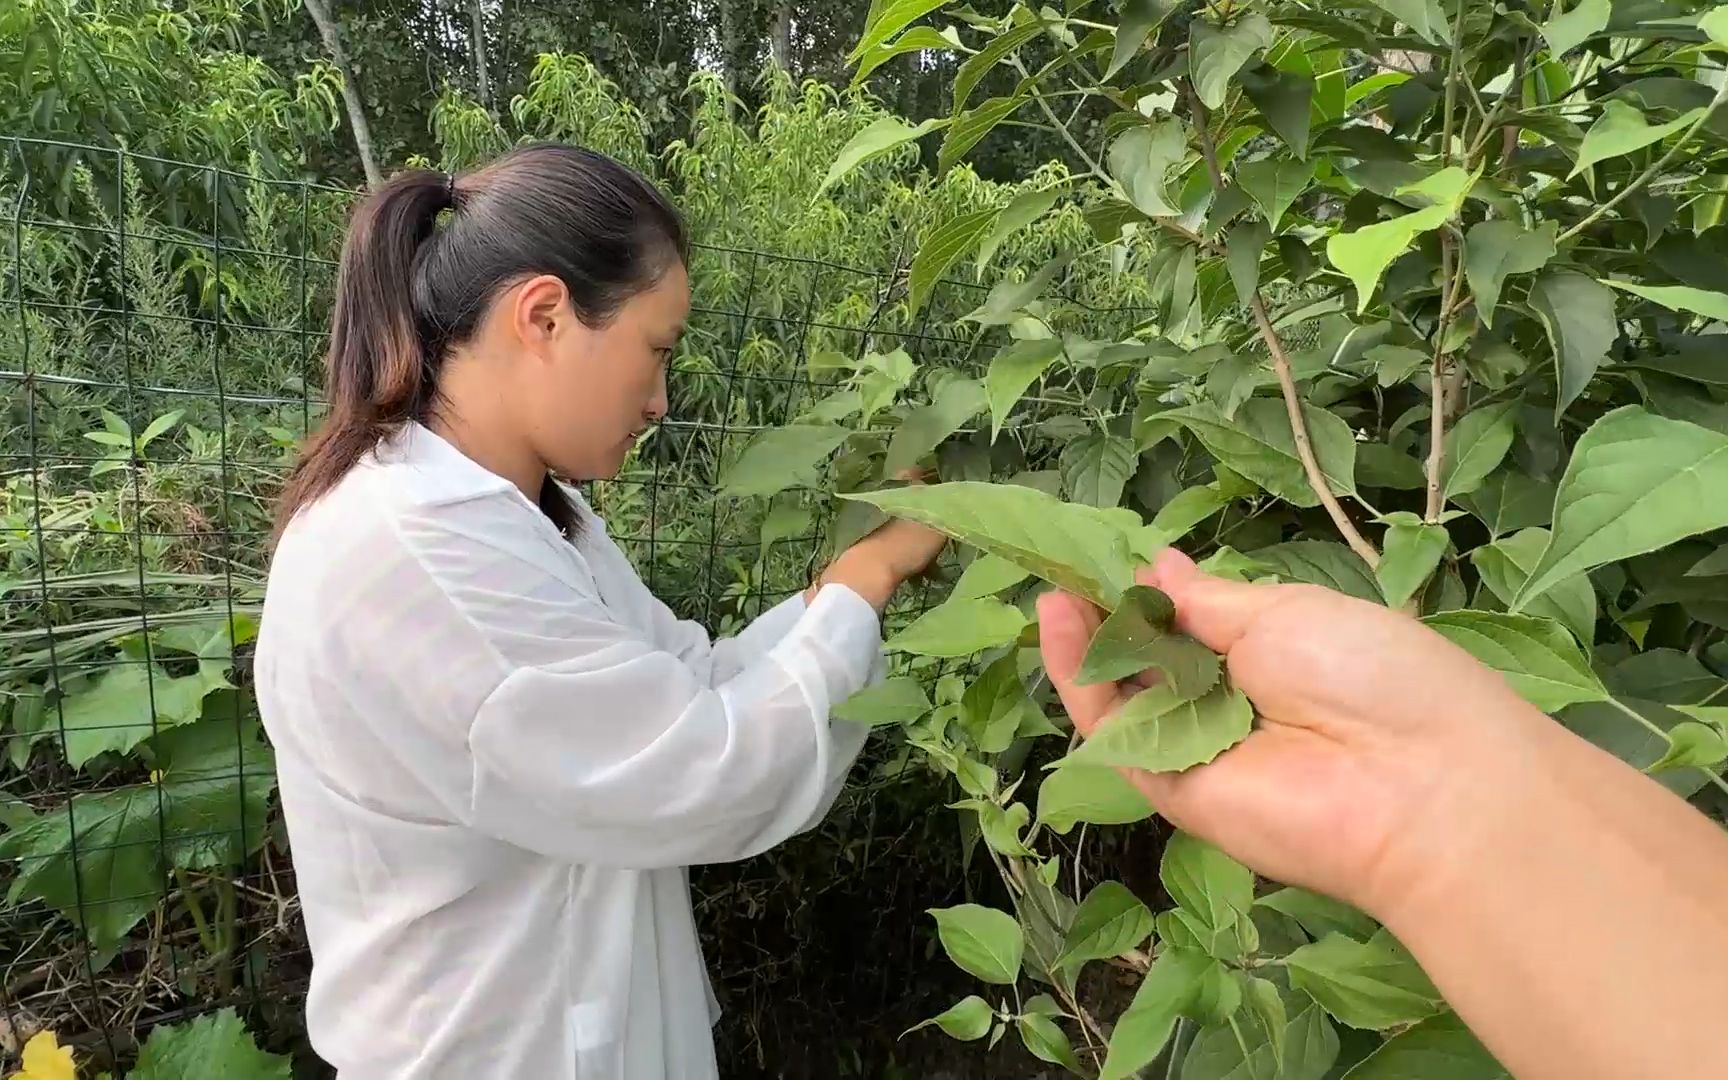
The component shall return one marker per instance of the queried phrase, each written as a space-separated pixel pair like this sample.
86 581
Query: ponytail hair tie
450 189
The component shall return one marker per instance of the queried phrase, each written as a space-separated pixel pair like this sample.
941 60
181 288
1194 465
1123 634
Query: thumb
1214 611
1065 627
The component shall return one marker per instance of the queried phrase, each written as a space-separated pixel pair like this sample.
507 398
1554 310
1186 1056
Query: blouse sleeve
596 746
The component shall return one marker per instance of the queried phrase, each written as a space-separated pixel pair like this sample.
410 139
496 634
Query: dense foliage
1438 292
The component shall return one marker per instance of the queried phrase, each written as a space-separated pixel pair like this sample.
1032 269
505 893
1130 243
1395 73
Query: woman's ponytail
410 289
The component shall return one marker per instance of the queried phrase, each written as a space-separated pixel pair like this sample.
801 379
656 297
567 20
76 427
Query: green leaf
1046 1042
1537 657
1371 984
1378 465
1273 184
1188 668
941 248
1202 880
1217 53
1620 130
979 63
1139 19
988 575
1320 915
1012 371
893 702
1439 1048
1692 744
1001 827
1072 547
1711 305
1505 565
985 943
967 1020
121 707
1363 255
995 707
1566 31
957 401
1394 364
890 19
1008 299
1475 446
1095 795
970 127
1412 551
1714 23
917 39
1425 18
1160 731
1142 157
215 1046
1258 444
1096 467
1164 995
960 628
783 457
872 142
1508 501
1494 250
1636 482
1021 211
1143 615
1244 246
1285 99
1109 922
1321 562
1176 518
1578 313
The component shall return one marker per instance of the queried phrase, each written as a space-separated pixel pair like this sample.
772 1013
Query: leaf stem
1711 774
1643 179
1061 128
1453 276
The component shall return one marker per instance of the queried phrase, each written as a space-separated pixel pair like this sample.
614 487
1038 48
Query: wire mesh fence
161 330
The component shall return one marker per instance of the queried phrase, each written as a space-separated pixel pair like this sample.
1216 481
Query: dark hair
410 288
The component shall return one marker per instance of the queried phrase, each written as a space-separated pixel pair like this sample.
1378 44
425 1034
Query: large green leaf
967 1019
1505 565
1711 305
1258 443
988 575
872 142
1620 130
916 39
1494 250
957 401
1366 984
1021 211
1217 53
1244 245
1093 794
1438 1048
1141 158
1412 550
1139 19
996 707
1475 447
1096 467
994 51
1137 636
1070 546
983 942
1537 657
941 248
1164 995
1364 255
1567 30
970 127
1636 482
783 457
1160 731
1203 880
1578 313
1320 915
121 707
890 703
1186 509
1012 371
215 1046
1273 184
1109 922
1285 99
1508 501
1302 1047
1425 18
889 19
960 628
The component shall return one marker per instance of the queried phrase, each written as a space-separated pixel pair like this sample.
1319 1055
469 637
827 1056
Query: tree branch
1281 369
327 30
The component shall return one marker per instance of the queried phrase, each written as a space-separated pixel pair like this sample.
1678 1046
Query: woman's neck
470 417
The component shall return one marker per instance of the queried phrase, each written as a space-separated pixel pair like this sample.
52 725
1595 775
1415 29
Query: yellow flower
46 1059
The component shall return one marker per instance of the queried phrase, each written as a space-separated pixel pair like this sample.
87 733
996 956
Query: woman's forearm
1586 936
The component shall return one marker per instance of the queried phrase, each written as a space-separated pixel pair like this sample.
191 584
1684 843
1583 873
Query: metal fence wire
160 355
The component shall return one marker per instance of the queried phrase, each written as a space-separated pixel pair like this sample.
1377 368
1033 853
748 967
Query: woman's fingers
1065 627
1214 611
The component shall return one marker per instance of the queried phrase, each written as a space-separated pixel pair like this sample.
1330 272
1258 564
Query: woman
497 751
1569 908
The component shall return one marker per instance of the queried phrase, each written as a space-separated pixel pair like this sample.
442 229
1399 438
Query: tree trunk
780 36
729 47
327 30
485 82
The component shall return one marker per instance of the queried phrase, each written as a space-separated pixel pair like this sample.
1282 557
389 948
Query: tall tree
482 79
331 33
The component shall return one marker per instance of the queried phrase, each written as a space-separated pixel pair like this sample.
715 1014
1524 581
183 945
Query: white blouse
497 754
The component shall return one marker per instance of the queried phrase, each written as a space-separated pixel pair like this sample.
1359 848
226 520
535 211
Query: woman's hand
1383 754
879 563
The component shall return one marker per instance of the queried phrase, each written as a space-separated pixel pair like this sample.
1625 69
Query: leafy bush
1438 294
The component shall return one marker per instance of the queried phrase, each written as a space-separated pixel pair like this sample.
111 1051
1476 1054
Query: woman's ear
540 310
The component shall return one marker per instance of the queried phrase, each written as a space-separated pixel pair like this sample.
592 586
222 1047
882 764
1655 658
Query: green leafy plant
1437 294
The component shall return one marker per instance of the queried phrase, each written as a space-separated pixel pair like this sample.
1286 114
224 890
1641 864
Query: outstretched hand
1381 754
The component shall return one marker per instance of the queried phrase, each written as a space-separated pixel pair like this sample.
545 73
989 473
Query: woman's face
596 389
